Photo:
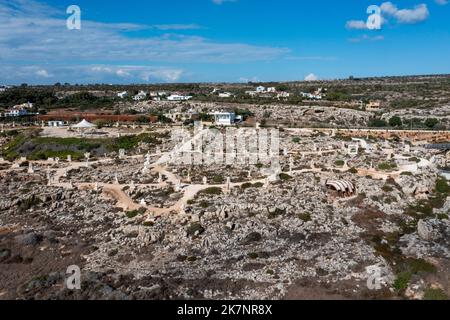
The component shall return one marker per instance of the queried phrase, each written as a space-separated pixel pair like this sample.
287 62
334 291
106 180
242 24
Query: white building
16 112
225 95
122 95
140 96
55 123
260 89
283 95
176 97
271 90
224 118
19 110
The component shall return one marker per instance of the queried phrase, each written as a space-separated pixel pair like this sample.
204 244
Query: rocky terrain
147 235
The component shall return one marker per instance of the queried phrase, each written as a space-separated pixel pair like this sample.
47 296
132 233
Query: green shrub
212 191
306 217
132 214
194 228
339 163
353 171
385 166
442 186
402 281
253 255
218 179
285 177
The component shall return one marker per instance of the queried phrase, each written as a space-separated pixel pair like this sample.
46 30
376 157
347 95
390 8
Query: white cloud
42 73
441 2
356 24
408 16
34 34
402 16
311 77
89 74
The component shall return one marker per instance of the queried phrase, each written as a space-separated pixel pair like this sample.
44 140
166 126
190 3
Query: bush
395 121
285 177
195 228
212 191
402 281
353 170
339 163
132 214
385 166
306 217
253 255
442 186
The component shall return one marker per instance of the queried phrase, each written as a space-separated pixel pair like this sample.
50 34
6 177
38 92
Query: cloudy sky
155 41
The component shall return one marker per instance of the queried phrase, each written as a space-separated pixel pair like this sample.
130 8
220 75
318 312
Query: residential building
122 95
224 118
140 96
225 95
176 97
56 123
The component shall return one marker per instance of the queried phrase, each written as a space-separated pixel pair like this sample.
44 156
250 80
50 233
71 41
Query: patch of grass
435 295
420 265
442 216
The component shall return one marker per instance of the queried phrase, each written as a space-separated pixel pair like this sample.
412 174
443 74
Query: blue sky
137 41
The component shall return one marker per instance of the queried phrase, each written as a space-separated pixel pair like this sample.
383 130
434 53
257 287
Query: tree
377 123
395 121
431 122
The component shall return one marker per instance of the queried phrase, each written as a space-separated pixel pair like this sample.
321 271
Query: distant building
122 95
373 106
20 110
271 90
56 123
283 95
224 118
260 89
140 96
176 97
225 95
